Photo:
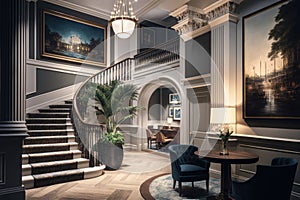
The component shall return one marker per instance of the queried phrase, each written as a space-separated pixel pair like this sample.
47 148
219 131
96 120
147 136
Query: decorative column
192 22
12 97
222 18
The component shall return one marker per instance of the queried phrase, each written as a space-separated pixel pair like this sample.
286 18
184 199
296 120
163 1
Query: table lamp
222 116
169 121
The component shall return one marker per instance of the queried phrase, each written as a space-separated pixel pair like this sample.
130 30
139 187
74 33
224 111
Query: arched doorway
160 99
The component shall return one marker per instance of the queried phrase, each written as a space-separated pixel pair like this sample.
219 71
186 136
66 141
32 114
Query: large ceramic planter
111 155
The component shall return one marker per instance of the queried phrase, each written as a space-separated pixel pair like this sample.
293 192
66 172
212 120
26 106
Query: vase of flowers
224 135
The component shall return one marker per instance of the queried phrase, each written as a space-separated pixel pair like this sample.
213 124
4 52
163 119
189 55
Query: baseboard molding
43 100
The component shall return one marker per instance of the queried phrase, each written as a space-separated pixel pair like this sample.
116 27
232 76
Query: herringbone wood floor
120 184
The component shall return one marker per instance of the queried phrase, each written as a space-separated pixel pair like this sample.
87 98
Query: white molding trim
103 14
70 69
147 8
219 3
184 8
178 11
144 70
197 81
180 23
225 18
267 138
43 100
195 33
30 79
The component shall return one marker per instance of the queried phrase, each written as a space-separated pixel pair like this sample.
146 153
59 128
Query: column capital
222 11
193 21
189 19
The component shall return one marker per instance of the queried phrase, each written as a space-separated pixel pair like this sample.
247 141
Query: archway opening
162 117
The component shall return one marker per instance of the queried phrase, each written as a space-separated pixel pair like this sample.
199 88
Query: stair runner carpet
50 153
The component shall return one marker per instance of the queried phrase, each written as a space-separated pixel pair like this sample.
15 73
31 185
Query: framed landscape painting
272 62
72 39
174 98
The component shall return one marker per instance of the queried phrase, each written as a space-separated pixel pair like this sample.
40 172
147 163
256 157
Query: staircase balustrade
161 54
88 132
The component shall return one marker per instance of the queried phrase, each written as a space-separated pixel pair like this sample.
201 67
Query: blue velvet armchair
188 167
270 182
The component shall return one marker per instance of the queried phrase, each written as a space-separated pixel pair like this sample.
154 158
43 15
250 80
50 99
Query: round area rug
161 187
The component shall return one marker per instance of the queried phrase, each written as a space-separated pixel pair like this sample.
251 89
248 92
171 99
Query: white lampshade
169 120
123 27
222 116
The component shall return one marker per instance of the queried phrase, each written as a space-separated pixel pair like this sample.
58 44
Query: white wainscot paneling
30 79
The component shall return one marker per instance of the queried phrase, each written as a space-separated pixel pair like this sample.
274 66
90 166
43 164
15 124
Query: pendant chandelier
122 18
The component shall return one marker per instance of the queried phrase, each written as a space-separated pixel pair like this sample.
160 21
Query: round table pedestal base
225 182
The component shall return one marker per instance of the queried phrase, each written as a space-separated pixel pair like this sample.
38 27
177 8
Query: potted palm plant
114 106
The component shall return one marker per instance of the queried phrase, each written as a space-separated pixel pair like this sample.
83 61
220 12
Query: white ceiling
151 10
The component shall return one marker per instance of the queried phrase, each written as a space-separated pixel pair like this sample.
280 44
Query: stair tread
50 145
59 173
63 173
51 153
64 124
50 137
60 162
54 109
52 113
48 118
50 130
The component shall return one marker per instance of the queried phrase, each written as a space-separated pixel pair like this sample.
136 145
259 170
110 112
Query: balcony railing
89 132
163 53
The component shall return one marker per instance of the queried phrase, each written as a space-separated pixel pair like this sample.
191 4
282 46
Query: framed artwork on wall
271 56
72 39
177 113
147 38
174 98
171 111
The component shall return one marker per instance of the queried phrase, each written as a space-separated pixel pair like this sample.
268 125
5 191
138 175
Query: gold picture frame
69 38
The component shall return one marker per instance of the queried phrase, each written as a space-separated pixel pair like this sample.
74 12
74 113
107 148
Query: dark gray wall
154 111
159 97
286 131
48 81
197 56
161 34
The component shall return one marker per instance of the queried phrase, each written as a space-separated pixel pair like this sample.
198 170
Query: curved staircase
50 153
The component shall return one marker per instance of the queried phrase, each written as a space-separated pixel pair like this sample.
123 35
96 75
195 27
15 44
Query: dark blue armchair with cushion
270 182
188 167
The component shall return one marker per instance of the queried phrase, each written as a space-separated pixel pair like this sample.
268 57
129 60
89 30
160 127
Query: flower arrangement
225 133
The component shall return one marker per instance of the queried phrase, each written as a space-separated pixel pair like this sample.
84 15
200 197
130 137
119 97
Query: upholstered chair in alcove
187 166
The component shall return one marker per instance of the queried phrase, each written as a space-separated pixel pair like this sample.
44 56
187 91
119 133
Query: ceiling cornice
147 8
94 12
